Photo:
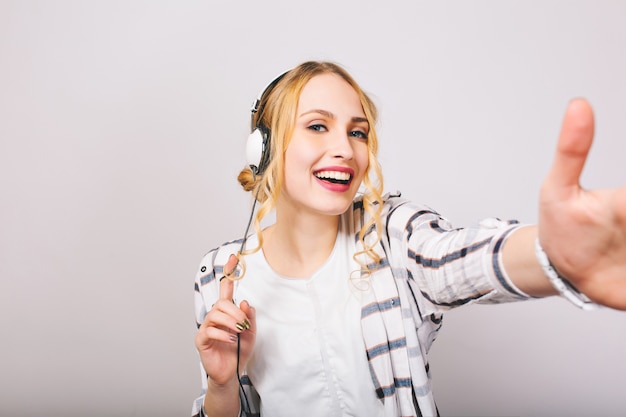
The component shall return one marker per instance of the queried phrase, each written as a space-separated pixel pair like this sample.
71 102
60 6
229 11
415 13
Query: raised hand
216 339
583 231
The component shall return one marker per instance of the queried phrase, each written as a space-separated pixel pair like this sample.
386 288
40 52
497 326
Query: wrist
221 399
227 385
561 284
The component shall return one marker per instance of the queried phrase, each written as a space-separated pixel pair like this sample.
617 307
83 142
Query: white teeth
333 175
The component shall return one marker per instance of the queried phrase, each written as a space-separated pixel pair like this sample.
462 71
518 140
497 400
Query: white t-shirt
309 358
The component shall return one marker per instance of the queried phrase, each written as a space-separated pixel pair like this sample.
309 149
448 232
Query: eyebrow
356 119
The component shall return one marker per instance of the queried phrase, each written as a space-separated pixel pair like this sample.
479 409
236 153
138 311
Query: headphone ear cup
255 147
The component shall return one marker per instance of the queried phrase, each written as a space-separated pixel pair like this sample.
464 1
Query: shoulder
398 210
390 201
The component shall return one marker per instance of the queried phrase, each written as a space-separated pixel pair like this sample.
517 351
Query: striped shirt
426 268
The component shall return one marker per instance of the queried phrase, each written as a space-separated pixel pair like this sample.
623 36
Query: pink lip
335 187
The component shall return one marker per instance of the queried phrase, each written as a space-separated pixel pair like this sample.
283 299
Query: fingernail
244 325
232 338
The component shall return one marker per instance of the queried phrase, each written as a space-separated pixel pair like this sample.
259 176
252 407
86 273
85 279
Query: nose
343 146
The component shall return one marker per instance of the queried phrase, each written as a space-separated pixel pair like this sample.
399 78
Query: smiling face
327 156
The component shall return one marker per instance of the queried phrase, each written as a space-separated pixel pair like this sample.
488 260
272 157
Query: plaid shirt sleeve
450 266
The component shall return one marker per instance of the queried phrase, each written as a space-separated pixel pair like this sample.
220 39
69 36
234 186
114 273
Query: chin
337 208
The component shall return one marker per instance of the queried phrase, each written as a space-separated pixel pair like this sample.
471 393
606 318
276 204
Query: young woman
343 294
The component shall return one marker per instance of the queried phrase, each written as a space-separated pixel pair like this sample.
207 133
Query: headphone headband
256 104
258 144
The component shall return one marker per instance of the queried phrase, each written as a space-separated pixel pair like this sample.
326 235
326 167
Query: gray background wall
122 127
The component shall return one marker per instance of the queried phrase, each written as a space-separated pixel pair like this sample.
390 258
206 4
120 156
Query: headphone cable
246 403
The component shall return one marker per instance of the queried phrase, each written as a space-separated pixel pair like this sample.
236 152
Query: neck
299 243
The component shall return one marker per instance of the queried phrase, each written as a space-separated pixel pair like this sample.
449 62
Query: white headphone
258 143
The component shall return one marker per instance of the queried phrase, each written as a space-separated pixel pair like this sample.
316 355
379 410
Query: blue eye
358 134
317 127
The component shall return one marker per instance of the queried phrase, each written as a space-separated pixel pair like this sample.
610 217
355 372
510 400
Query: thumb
573 146
250 312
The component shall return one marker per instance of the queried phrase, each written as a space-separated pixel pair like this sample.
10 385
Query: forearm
222 400
521 265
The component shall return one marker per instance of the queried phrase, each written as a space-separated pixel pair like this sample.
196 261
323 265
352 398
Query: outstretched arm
582 231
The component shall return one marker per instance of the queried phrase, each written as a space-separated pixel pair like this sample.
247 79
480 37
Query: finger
226 285
211 330
574 143
212 334
250 313
226 316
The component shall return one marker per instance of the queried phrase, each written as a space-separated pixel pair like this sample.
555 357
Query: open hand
583 231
